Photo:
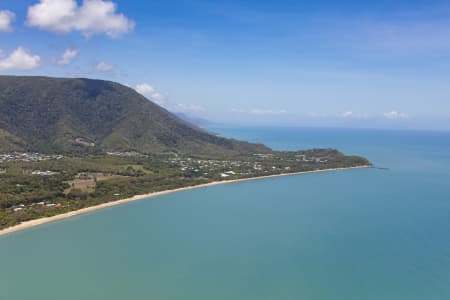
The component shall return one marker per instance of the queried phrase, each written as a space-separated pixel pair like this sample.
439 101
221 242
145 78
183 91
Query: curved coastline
37 222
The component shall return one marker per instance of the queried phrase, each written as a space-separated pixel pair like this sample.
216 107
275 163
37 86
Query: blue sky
383 64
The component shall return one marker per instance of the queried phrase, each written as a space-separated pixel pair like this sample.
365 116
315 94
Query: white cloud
189 107
151 94
395 115
67 57
20 59
350 114
145 89
6 19
90 18
347 114
104 67
260 111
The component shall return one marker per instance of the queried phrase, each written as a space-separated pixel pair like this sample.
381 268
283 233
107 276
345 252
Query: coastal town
27 157
33 185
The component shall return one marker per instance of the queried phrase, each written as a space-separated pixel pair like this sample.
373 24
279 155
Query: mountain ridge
81 115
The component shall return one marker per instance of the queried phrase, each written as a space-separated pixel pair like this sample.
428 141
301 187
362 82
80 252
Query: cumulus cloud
347 114
260 111
90 18
67 57
104 67
151 94
395 115
351 114
20 59
6 19
189 107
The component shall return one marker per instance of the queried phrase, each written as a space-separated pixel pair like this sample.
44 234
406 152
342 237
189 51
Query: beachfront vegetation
34 186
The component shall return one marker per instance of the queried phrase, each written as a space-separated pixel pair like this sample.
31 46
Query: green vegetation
35 189
84 116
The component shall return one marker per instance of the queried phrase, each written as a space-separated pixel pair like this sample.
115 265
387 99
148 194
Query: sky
348 63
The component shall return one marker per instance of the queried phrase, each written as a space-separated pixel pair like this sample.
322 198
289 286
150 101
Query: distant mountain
86 116
200 122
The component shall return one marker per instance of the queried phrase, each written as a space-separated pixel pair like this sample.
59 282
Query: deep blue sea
357 234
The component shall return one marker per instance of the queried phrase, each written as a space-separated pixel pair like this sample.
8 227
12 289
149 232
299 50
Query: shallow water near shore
354 234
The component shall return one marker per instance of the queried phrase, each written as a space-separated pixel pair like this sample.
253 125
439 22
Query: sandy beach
37 222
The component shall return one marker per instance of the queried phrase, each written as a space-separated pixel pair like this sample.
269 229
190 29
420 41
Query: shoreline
37 222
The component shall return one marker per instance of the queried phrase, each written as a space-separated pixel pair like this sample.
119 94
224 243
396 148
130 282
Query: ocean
372 234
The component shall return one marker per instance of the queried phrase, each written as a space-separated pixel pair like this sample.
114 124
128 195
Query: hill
65 115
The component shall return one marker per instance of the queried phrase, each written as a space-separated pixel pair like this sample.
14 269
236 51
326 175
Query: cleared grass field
88 182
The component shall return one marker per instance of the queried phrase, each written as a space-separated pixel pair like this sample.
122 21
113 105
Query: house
43 173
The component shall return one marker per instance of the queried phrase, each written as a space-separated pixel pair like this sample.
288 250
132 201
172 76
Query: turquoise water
358 234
